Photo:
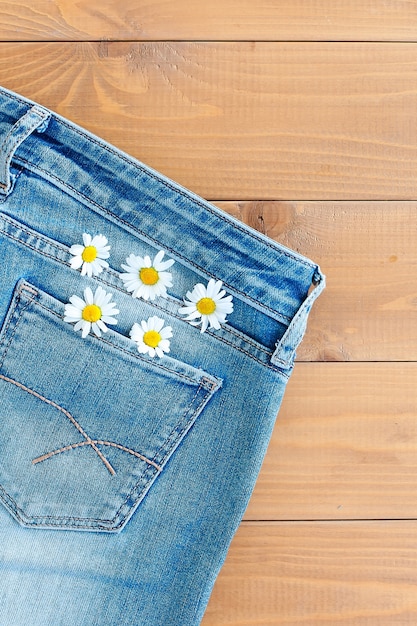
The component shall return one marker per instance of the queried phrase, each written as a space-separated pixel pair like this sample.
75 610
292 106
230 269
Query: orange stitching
67 414
44 457
27 287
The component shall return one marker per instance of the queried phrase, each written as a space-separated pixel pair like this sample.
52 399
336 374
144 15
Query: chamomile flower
94 312
152 336
90 257
207 303
146 278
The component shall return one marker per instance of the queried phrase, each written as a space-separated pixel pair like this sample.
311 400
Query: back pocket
86 424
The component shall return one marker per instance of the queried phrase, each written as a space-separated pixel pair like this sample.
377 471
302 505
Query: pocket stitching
88 440
169 450
204 381
205 387
90 523
17 299
115 275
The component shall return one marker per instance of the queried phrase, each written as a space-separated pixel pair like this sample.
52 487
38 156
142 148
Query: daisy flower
90 257
207 303
94 312
145 278
152 336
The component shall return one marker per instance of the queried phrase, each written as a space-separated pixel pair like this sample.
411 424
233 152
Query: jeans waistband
265 274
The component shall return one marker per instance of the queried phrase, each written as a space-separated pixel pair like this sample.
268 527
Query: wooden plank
344 445
241 120
355 574
368 253
236 19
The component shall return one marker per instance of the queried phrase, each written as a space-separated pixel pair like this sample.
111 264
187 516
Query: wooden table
300 118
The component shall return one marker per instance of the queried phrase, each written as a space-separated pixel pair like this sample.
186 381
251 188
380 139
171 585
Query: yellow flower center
149 275
206 306
152 338
89 254
91 313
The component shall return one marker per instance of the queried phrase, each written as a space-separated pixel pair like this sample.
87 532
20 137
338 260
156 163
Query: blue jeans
145 435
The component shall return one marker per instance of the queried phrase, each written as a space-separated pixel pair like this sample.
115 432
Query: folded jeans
152 453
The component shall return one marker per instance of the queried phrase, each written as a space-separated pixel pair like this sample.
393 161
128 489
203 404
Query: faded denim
185 434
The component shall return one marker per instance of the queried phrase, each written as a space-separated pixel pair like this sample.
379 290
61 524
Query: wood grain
344 445
273 20
369 255
355 574
313 143
241 120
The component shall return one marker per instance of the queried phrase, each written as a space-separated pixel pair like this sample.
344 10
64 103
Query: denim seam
222 339
71 418
174 432
143 168
251 356
132 354
168 451
120 220
15 145
167 454
17 299
21 515
102 442
114 273
4 197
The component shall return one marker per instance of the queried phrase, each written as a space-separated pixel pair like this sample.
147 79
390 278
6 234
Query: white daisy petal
164 345
151 337
209 305
198 292
144 325
72 311
136 332
88 296
166 332
86 239
165 265
93 312
77 301
155 323
158 257
108 320
90 257
223 306
193 314
71 319
99 296
86 327
96 329
214 321
86 270
145 278
102 325
76 262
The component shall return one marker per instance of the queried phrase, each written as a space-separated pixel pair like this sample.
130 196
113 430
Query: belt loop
36 118
284 354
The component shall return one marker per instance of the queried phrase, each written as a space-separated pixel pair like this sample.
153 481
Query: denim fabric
123 476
